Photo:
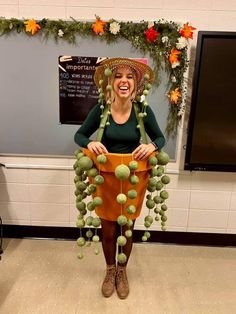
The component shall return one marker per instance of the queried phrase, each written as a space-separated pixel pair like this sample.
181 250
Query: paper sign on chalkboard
77 91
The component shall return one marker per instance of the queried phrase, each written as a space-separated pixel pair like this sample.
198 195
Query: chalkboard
29 89
78 92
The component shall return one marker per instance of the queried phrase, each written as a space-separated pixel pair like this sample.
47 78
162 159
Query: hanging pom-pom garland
88 178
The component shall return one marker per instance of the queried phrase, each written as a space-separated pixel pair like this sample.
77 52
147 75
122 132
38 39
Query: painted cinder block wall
199 202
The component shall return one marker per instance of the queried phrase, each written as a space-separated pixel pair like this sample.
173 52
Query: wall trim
168 237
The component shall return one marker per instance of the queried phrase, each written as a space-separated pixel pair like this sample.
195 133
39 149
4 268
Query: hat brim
144 74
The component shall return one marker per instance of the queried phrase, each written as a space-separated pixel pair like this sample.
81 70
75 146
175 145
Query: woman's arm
153 130
89 126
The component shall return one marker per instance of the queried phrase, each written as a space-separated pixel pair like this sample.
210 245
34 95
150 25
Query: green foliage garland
165 42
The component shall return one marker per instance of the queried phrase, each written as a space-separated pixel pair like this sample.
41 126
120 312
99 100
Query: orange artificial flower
32 26
187 31
98 26
174 96
173 57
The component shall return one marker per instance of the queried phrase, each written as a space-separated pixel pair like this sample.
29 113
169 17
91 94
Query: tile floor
45 277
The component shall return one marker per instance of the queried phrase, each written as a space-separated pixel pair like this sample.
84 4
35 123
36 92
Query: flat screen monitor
211 140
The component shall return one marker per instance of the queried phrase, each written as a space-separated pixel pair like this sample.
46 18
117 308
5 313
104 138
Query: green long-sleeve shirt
120 138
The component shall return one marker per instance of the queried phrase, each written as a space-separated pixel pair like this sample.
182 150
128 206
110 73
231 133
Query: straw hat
144 74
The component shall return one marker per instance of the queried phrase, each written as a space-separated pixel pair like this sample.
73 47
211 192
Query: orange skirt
112 186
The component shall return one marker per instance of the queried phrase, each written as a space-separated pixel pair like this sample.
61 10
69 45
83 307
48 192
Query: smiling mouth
123 88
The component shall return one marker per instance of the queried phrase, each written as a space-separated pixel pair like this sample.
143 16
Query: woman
126 79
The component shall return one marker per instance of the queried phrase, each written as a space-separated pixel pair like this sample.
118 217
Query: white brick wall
199 202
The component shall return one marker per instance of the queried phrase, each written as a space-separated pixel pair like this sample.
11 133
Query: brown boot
109 281
122 285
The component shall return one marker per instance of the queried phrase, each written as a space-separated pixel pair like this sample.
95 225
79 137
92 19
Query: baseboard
168 237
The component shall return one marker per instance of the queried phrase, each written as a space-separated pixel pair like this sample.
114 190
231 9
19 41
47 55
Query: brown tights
110 231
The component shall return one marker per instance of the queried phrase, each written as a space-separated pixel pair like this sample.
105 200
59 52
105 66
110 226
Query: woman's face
123 82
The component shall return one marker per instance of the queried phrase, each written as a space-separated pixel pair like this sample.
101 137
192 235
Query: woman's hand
143 151
97 148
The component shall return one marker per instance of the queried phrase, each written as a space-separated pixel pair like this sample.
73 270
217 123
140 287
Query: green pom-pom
97 201
96 222
131 209
156 210
165 179
147 234
129 222
150 203
79 155
163 158
158 200
92 188
81 241
151 188
148 86
160 171
134 179
75 165
122 220
89 233
100 82
121 240
99 179
95 238
80 223
164 207
145 92
152 161
132 194
101 159
122 172
145 104
77 178
85 163
149 219
89 220
164 194
147 224
91 206
77 151
144 238
128 233
92 172
133 165
164 218
121 198
159 185
80 205
122 258
152 182
108 72
81 186
79 198
109 88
